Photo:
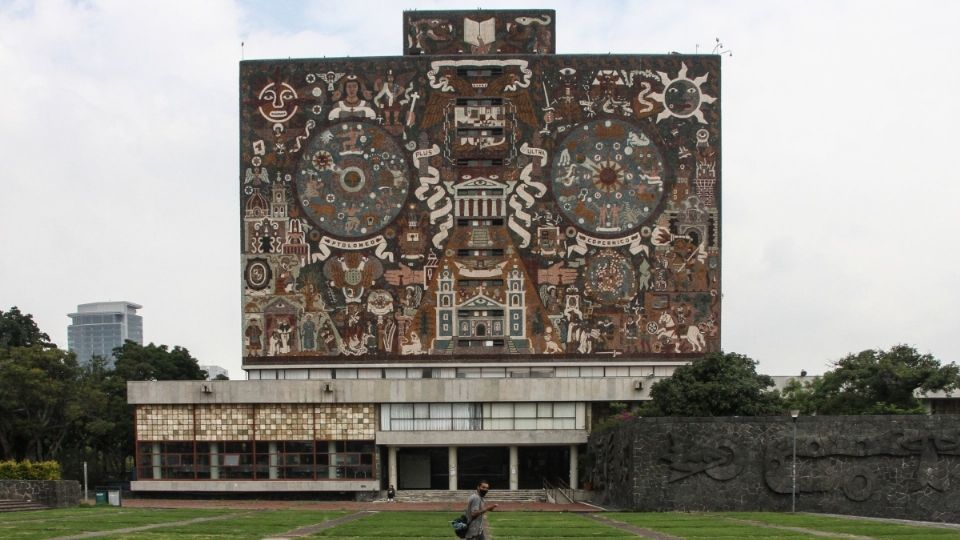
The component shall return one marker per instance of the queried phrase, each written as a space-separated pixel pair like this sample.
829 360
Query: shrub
28 470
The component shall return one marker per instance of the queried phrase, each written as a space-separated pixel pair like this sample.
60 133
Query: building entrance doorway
539 463
422 468
483 463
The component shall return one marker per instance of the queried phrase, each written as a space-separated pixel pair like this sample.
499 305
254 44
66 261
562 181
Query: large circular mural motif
352 180
608 177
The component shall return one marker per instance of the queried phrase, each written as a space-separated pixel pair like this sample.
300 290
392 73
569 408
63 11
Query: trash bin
113 497
101 496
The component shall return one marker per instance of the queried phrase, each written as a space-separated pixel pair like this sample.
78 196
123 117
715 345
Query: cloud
119 131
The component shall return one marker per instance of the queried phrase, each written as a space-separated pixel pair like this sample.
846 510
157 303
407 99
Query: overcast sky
118 158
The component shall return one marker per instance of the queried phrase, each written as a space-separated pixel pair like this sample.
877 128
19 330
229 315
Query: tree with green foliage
52 408
875 382
40 401
717 385
20 330
135 362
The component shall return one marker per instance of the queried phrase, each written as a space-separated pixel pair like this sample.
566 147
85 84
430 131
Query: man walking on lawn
476 508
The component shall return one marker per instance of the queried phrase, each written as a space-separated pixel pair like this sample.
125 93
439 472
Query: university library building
453 261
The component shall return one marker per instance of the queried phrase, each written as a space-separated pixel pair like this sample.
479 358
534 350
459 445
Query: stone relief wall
53 493
887 466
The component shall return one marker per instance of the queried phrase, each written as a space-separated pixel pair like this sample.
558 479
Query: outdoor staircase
16 505
493 496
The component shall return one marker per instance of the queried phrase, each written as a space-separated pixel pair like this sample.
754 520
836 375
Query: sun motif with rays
682 96
608 177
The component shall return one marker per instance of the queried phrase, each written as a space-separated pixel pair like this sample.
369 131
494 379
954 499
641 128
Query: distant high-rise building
100 327
215 371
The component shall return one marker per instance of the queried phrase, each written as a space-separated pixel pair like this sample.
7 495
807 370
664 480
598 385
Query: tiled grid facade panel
262 422
165 423
224 422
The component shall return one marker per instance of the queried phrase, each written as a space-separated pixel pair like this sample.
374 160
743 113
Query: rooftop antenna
720 50
241 50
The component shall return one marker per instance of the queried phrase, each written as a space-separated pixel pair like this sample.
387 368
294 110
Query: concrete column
214 461
392 466
514 468
452 464
156 461
332 459
274 461
574 475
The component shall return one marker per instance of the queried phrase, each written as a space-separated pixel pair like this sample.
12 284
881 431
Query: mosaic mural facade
267 422
480 197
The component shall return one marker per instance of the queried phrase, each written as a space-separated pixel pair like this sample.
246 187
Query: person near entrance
476 510
391 494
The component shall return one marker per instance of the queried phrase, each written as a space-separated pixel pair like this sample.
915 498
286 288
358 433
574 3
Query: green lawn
700 526
858 527
240 526
71 521
256 524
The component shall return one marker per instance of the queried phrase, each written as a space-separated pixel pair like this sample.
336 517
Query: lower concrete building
362 434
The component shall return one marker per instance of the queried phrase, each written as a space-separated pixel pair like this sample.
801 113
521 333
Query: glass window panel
421 410
525 423
295 374
492 373
525 410
499 423
518 372
545 423
617 371
440 410
178 447
567 372
545 410
345 373
564 410
370 373
468 373
298 446
542 372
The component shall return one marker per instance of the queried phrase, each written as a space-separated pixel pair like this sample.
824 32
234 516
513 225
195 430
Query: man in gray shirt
476 508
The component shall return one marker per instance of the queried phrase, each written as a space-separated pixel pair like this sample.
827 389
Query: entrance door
483 463
539 463
422 468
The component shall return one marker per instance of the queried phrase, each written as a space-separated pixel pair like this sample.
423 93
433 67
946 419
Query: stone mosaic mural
479 32
480 197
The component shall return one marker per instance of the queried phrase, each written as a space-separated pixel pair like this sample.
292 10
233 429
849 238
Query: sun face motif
278 102
682 97
608 177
